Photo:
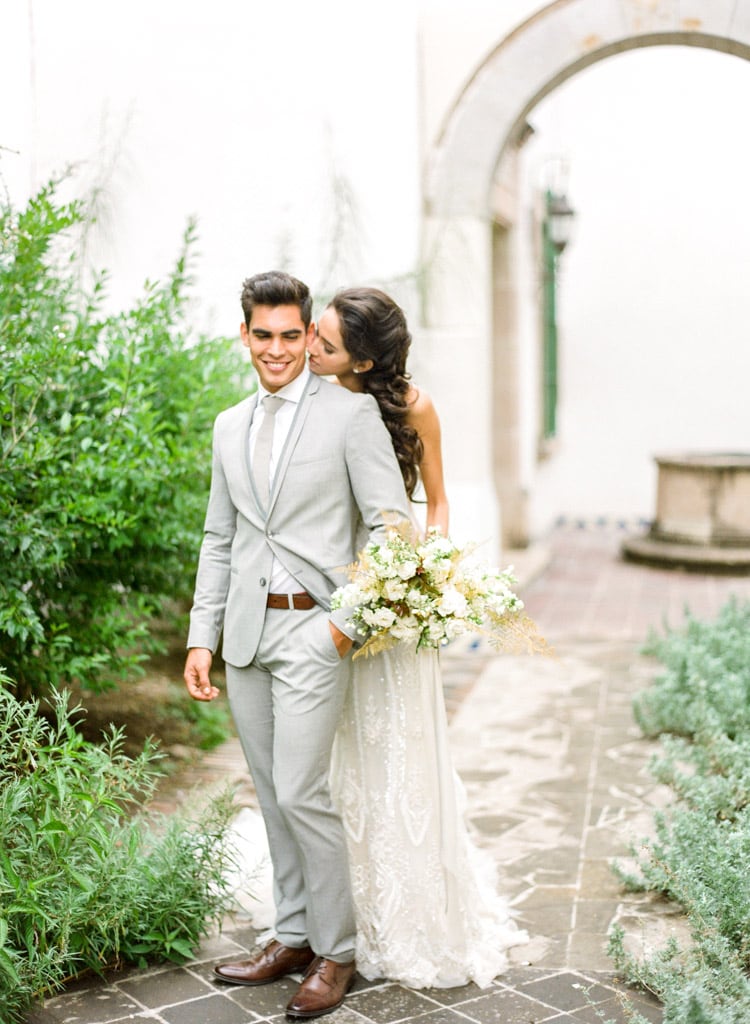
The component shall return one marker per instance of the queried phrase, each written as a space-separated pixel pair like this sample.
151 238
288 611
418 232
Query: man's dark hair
275 288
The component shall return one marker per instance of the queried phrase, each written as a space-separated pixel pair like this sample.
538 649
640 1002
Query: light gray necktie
264 447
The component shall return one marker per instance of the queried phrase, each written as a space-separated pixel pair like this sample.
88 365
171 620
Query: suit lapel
245 438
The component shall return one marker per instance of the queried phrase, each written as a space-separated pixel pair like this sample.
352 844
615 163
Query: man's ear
364 366
244 334
311 330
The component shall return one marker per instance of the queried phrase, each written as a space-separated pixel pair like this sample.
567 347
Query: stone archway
460 219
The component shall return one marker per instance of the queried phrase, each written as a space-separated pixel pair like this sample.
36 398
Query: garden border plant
700 854
105 424
86 882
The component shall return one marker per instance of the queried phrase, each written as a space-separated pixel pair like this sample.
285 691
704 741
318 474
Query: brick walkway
557 787
587 592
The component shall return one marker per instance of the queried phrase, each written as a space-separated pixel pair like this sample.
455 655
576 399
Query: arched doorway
470 224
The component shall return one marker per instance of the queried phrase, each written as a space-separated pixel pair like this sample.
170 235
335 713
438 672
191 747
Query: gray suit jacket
337 471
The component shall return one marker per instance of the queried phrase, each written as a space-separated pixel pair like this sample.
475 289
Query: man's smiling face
277 339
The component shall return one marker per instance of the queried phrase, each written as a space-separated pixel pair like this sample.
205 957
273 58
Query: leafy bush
104 454
83 885
700 854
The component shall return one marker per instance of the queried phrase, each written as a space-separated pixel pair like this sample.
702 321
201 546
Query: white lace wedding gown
427 913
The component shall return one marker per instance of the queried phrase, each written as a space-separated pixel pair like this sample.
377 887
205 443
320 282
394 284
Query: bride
427 911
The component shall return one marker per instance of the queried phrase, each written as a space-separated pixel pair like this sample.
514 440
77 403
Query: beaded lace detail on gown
427 910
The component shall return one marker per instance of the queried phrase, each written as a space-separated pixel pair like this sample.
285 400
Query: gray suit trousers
286 705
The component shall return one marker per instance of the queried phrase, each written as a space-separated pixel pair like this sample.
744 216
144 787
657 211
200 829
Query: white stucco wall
242 114
238 113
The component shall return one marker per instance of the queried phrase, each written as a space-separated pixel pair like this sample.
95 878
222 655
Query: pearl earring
356 371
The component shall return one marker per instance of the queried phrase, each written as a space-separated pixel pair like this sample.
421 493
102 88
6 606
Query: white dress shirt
282 582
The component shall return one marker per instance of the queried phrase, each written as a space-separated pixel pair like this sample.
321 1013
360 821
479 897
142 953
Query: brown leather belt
302 601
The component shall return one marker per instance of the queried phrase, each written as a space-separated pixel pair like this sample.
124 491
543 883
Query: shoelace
318 966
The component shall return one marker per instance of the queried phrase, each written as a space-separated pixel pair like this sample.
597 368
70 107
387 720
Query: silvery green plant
699 855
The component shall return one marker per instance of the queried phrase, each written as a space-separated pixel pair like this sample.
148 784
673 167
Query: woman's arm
423 417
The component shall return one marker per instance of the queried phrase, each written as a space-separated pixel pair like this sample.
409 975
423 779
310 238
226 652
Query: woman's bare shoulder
419 404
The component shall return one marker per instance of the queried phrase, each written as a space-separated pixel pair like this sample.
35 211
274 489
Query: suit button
263 581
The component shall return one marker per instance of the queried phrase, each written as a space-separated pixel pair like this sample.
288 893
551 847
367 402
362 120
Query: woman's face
328 354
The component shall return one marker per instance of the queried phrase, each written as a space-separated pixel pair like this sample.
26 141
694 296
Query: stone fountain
702 514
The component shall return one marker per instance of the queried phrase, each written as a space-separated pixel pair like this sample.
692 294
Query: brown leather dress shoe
322 990
272 963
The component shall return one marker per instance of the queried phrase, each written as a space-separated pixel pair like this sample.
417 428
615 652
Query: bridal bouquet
427 592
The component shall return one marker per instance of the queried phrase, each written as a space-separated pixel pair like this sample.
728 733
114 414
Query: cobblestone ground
557 788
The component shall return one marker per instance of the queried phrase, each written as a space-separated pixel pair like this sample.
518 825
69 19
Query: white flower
394 590
348 596
416 600
435 630
407 570
384 560
437 553
452 602
438 546
455 627
406 628
379 618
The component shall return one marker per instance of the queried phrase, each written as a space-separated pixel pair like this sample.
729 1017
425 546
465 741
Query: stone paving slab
557 787
545 794
189 995
560 773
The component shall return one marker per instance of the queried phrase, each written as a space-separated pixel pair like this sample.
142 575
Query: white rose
452 602
454 628
406 570
435 634
406 629
416 599
379 618
351 596
394 590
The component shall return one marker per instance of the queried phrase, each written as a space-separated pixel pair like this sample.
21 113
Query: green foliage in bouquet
104 453
85 883
699 856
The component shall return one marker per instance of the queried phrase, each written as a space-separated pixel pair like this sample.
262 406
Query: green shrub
104 454
699 856
707 678
85 883
705 984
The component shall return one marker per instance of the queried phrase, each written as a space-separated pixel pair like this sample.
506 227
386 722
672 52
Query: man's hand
196 674
343 643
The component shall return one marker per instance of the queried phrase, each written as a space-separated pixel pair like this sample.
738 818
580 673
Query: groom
296 467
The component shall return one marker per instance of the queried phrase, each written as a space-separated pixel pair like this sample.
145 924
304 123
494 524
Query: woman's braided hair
374 327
